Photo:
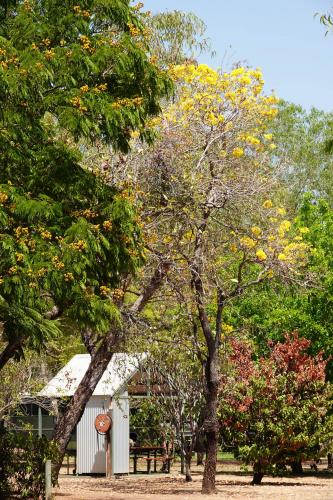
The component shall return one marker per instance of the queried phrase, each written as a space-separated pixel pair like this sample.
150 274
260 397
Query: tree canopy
66 236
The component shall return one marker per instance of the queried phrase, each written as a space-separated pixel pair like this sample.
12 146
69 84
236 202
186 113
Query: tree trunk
200 458
182 463
258 474
211 425
188 461
296 467
257 477
74 410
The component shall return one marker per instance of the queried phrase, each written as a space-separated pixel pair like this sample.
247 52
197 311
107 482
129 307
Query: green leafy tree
176 37
301 138
275 410
68 70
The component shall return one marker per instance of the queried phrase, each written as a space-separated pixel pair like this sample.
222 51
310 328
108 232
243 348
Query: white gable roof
120 370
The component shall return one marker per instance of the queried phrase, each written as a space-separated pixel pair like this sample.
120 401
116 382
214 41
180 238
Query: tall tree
207 211
68 71
176 37
301 139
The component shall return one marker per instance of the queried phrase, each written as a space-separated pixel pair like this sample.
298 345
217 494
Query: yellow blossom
285 226
261 255
267 204
19 257
107 225
104 290
227 328
49 54
78 245
282 211
248 242
45 234
117 293
3 197
282 256
304 230
237 152
256 230
68 277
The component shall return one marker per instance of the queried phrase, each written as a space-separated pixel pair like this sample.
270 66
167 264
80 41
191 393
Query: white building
111 396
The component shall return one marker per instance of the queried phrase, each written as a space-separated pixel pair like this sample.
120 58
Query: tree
301 139
275 410
54 202
176 37
178 395
206 210
67 238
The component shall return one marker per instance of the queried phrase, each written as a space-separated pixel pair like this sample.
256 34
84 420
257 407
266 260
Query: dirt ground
230 484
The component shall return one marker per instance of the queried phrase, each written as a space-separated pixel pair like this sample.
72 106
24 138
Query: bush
22 464
277 410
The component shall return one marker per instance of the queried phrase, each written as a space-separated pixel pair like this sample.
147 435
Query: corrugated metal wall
90 445
120 435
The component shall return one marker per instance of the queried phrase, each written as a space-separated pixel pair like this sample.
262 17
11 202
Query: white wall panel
90 445
120 434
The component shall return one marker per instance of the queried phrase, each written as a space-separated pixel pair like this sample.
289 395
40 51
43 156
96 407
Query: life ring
103 423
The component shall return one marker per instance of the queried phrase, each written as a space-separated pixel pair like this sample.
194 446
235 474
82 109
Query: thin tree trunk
188 461
211 426
200 458
74 410
182 463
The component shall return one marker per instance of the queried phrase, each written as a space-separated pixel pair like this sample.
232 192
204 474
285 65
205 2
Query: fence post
48 482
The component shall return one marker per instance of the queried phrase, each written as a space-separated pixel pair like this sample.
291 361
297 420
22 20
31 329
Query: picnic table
151 454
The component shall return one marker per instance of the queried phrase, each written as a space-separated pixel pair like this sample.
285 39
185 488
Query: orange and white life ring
103 423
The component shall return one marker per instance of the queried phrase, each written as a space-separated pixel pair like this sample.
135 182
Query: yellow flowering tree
205 189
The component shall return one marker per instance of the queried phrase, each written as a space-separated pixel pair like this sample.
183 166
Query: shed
110 395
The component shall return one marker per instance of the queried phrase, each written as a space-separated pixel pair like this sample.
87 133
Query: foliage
22 464
206 188
66 237
176 37
150 423
275 410
326 20
277 308
301 139
19 379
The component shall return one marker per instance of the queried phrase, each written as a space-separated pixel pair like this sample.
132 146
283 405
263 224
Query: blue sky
281 37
